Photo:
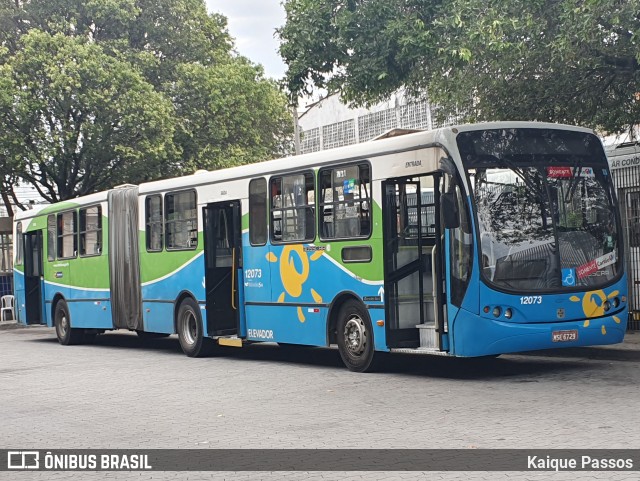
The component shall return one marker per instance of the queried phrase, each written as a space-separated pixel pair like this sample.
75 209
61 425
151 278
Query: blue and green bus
472 240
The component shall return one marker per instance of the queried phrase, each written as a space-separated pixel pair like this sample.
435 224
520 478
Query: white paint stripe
66 286
344 269
172 273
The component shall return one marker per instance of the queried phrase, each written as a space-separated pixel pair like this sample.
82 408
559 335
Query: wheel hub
63 325
189 328
355 335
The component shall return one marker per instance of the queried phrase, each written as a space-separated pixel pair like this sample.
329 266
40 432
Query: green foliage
230 113
86 120
549 60
95 93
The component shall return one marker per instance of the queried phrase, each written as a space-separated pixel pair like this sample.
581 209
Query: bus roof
346 154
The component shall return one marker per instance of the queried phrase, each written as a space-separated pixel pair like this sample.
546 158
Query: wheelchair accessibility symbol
569 277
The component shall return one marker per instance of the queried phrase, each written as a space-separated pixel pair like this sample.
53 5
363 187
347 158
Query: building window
258 212
51 238
91 231
181 220
345 202
293 208
153 222
67 231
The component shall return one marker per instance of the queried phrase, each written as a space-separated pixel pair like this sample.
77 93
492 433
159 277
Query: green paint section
245 222
370 271
154 265
81 272
59 207
34 224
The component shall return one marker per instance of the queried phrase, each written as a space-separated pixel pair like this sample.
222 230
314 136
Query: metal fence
627 182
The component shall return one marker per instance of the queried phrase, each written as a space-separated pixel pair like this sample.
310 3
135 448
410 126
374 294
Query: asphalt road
125 393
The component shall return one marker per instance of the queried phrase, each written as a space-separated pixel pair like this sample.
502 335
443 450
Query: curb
8 325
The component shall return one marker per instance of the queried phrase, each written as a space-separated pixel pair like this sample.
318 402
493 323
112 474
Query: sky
252 23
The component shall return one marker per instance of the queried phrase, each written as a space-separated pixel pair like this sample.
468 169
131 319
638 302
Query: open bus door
413 262
33 277
223 261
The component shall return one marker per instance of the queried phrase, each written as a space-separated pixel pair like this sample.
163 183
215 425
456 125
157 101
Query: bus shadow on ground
595 353
526 366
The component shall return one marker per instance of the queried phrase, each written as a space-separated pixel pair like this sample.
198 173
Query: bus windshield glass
544 205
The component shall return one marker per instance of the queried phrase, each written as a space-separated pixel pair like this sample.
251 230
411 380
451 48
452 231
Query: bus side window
153 223
345 197
67 230
51 238
19 244
181 220
461 250
258 212
91 231
293 208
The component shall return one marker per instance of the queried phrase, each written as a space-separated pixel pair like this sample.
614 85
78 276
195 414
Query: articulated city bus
473 240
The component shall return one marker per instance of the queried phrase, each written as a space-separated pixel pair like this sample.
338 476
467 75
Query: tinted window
51 238
91 231
258 212
19 243
345 202
292 208
67 235
181 220
153 222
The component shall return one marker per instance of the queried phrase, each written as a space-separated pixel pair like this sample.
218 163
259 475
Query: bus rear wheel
67 335
190 330
355 337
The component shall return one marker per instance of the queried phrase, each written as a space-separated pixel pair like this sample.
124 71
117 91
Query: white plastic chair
7 305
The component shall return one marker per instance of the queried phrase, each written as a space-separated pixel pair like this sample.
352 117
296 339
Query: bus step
428 336
420 350
230 341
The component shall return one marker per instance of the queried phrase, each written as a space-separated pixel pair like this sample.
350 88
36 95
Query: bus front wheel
65 333
355 337
190 330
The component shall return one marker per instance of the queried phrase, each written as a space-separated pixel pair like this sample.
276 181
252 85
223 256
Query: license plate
565 336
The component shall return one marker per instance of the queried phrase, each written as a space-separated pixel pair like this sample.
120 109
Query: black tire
190 330
67 335
355 337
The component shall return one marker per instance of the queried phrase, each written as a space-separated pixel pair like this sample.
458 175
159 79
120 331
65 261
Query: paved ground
121 393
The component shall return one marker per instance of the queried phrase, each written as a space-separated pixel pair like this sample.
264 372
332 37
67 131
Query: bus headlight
497 311
606 305
616 302
508 313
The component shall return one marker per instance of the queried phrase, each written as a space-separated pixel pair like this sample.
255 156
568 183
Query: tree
548 60
78 120
85 81
229 115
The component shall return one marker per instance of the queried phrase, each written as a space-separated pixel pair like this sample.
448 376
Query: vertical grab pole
233 279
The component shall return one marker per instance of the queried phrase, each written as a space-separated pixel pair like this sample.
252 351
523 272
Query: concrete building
329 123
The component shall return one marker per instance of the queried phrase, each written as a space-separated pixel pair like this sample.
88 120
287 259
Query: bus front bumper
479 336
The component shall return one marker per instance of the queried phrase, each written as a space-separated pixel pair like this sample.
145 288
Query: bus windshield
544 205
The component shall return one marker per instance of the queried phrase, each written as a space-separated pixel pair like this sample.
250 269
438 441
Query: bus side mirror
449 210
